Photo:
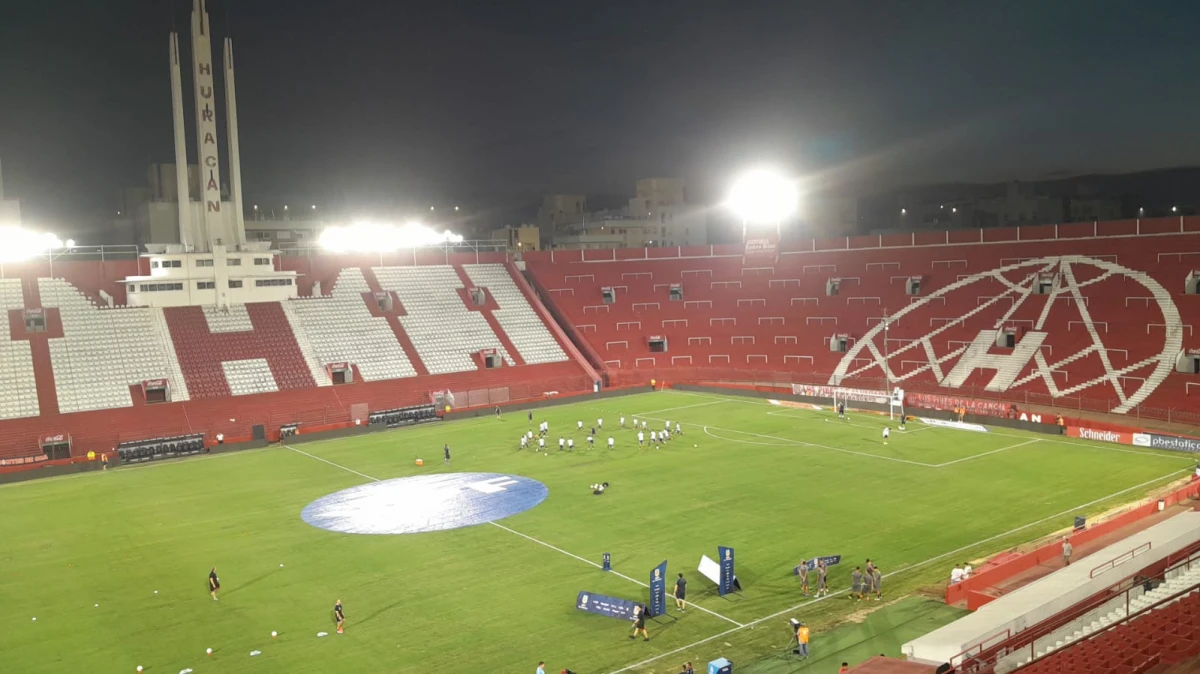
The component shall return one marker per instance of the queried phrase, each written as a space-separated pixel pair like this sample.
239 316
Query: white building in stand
210 261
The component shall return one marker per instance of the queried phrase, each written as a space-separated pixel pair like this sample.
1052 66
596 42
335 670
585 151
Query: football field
114 565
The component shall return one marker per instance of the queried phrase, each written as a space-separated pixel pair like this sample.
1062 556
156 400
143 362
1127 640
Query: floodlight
763 196
370 237
22 244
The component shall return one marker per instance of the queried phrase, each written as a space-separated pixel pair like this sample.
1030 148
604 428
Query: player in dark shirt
530 417
214 583
639 622
339 616
446 449
681 593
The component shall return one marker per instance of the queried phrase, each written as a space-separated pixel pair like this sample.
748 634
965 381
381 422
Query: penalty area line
902 569
525 536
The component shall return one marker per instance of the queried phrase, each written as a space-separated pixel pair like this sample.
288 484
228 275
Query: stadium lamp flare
763 197
370 237
23 244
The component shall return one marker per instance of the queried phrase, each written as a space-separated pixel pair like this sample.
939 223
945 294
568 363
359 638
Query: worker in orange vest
802 640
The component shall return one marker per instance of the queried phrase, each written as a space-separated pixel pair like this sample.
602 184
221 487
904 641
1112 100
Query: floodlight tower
763 197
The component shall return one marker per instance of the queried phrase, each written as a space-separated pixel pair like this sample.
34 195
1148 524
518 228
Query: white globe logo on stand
950 363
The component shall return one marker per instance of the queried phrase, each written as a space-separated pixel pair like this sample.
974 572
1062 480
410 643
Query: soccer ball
208 651
274 634
695 446
139 668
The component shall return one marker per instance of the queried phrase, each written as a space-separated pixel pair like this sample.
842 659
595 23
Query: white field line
902 569
525 536
1057 441
994 451
809 444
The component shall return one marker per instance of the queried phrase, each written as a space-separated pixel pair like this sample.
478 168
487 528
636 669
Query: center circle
411 505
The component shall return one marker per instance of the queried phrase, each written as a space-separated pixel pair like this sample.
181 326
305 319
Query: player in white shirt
580 424
599 423
956 575
678 429
635 423
653 437
571 445
641 438
524 441
562 443
610 442
667 424
623 426
542 443
886 432
643 424
591 441
967 570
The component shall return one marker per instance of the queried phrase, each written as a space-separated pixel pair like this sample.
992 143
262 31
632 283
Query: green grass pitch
113 565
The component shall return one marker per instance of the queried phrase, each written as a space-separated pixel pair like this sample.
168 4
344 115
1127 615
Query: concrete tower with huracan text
210 221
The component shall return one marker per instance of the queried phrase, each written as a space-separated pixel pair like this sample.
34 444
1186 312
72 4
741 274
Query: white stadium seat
18 389
340 328
520 322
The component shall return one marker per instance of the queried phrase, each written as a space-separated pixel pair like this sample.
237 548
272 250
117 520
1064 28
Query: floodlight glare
763 196
22 244
370 237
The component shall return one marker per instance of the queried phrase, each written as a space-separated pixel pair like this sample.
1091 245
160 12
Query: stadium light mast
763 197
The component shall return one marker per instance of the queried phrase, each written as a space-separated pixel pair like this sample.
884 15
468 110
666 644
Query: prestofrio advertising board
812 563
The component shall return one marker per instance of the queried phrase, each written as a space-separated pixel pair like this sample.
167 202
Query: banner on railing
1100 435
987 408
855 394
23 460
1169 442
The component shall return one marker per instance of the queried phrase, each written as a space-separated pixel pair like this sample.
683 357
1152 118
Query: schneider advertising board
1152 440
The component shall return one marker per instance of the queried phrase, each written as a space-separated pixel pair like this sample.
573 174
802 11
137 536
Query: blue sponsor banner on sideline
812 563
658 590
726 559
611 607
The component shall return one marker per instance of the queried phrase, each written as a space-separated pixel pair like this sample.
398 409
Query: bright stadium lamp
763 196
23 244
370 237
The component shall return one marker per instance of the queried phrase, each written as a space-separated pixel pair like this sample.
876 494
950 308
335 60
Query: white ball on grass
139 668
208 651
274 634
35 619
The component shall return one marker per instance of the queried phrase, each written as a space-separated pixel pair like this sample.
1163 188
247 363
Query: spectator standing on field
1066 551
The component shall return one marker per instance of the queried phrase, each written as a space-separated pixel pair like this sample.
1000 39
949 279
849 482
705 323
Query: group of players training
568 444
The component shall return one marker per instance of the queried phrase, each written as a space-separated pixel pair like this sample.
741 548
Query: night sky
365 104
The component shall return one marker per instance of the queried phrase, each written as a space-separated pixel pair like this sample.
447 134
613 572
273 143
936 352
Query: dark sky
376 104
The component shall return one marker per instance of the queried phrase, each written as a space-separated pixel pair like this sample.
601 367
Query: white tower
206 125
183 194
235 154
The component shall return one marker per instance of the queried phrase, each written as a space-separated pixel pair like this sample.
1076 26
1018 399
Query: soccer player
841 408
542 444
635 423
524 441
530 417
339 616
593 432
822 572
579 425
653 437
446 450
571 445
591 441
641 438
497 411
804 577
667 425
643 424
678 429
639 622
886 432
562 443
856 583
681 593
610 442
877 581
599 423
214 583
598 489
623 426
